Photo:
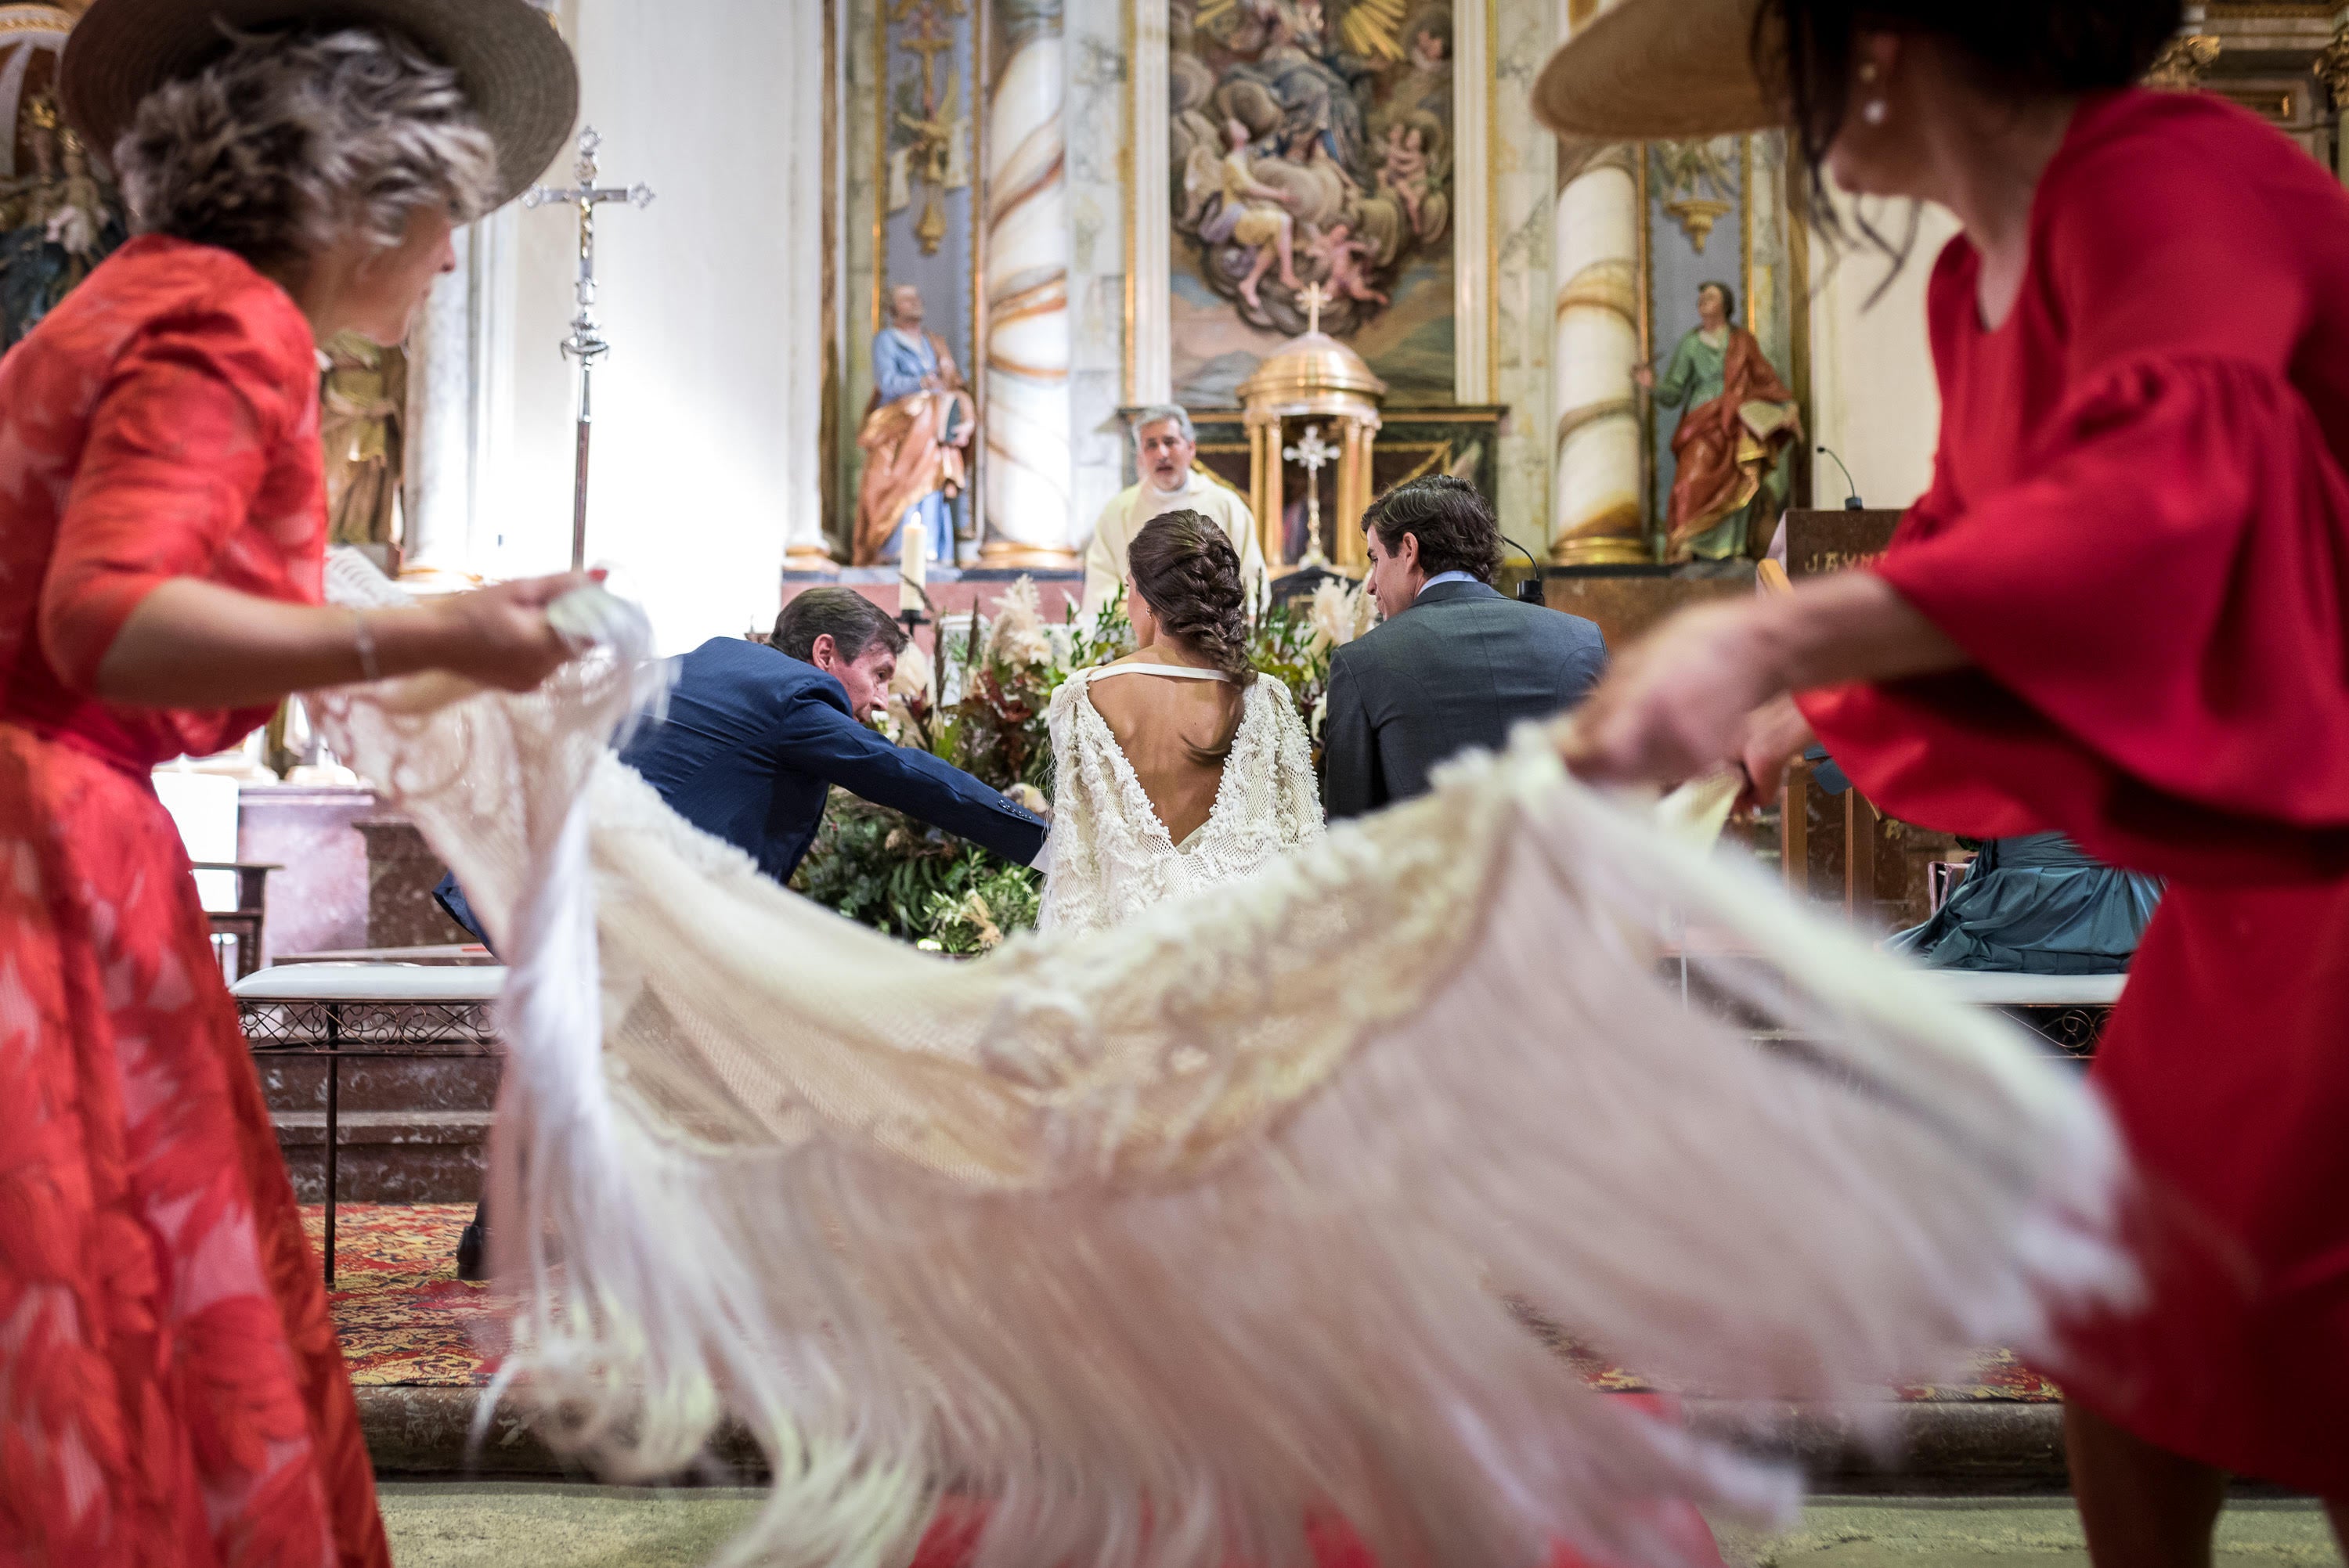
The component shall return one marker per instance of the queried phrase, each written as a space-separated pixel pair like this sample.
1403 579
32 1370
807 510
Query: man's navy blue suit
755 738
753 743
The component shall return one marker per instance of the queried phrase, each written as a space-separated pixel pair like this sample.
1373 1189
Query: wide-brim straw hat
1657 70
517 74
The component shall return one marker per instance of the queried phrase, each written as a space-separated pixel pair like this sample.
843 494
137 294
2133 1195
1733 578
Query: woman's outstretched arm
191 643
1692 695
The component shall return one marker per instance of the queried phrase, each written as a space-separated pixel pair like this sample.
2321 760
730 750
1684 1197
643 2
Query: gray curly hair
1159 414
290 140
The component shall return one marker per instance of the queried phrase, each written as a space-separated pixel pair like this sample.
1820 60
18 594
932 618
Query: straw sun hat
1657 68
516 71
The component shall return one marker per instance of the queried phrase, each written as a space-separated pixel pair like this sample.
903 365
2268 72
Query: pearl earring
1873 112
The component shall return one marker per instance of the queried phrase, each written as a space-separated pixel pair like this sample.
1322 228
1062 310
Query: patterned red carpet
404 1315
406 1318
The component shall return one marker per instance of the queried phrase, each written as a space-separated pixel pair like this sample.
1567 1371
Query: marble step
387 1156
380 1083
1960 1446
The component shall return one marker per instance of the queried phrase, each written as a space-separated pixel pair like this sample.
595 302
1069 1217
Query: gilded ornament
1312 376
1689 169
929 131
2332 66
2182 61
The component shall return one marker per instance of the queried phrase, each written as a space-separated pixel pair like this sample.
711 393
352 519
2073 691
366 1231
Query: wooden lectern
1819 543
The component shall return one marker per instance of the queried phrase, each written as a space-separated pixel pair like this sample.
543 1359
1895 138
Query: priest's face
1164 453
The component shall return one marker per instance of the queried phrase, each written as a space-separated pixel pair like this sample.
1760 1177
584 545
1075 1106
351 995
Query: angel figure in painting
1403 173
1740 417
916 429
1342 257
1257 215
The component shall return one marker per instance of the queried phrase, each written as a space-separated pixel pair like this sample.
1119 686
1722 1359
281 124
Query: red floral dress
2138 531
170 1389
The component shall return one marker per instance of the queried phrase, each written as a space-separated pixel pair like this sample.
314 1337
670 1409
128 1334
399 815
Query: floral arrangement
982 707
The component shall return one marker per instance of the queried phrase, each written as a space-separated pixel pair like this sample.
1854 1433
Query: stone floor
529 1524
2012 1532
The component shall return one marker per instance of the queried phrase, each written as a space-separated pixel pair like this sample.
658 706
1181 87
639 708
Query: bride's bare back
1156 717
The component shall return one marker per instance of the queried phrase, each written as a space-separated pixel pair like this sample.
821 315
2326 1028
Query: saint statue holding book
915 437
1740 418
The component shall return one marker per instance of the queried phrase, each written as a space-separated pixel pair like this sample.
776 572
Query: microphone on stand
1852 501
1530 590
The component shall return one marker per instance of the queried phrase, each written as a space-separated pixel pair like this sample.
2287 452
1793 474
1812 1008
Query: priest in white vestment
1164 448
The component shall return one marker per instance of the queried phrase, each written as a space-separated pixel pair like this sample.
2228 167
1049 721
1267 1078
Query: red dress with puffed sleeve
170 1389
2138 531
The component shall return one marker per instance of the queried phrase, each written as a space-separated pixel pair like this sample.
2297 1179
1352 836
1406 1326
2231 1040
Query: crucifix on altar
1321 386
928 146
1312 454
585 341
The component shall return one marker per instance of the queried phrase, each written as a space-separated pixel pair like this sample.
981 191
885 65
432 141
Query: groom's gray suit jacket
1457 669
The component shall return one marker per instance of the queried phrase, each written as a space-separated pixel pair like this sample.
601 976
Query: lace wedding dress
1168 1237
1112 856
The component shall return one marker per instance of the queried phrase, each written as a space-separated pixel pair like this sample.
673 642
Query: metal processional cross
585 343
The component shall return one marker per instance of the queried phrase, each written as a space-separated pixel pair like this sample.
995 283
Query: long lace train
1168 1237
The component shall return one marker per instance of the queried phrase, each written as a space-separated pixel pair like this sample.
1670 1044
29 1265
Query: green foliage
999 900
882 868
1284 643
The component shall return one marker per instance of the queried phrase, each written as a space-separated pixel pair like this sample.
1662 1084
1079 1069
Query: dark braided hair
1185 568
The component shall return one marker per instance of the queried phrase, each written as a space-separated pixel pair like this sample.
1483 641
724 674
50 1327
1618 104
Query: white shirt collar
1151 493
1444 577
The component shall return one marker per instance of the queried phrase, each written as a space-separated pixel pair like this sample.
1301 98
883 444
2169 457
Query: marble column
1025 421
1596 518
1150 350
436 488
805 294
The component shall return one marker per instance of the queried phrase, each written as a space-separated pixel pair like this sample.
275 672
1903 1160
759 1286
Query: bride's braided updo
1187 570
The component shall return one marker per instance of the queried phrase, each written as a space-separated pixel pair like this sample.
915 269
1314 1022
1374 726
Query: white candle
912 566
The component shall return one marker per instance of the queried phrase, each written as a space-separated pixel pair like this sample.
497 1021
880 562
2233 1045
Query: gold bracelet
363 635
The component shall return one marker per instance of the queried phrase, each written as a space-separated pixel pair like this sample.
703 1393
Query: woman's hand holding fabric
500 635
1676 704
1710 685
1776 734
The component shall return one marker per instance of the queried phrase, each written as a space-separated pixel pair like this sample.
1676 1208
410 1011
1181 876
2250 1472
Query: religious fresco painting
1722 411
928 65
1311 143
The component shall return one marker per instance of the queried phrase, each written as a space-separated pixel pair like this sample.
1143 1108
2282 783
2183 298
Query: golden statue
363 403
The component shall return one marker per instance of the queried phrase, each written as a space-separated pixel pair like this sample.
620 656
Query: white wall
706 410
1872 389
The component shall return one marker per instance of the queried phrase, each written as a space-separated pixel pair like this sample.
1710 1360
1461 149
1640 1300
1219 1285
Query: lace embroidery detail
909 1217
1112 856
